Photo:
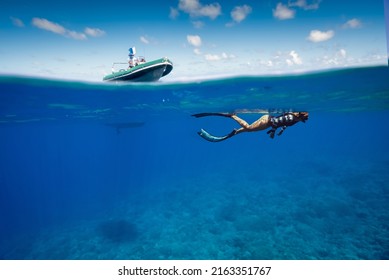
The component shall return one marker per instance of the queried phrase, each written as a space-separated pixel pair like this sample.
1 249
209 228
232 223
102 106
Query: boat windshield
119 66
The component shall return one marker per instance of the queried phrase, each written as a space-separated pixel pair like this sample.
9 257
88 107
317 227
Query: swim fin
204 134
200 115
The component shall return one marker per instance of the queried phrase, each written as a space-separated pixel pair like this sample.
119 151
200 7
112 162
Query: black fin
200 115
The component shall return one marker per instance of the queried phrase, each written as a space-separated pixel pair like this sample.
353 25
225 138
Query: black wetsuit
283 121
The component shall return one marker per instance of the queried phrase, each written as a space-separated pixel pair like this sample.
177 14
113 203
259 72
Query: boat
139 70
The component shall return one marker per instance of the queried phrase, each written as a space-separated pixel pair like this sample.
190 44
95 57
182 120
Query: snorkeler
264 122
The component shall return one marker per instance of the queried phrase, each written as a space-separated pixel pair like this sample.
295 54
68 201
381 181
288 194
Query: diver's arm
281 130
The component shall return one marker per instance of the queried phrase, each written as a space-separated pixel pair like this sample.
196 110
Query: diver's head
302 116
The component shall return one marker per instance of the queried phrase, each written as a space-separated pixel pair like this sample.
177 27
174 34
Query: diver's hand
271 133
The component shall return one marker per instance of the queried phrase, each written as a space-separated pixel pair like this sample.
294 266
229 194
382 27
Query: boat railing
118 66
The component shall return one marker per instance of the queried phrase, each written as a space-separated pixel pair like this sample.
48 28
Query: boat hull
147 72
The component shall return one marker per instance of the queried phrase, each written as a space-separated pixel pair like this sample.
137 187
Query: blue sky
80 40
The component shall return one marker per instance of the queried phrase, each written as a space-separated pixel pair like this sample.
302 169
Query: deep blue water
72 186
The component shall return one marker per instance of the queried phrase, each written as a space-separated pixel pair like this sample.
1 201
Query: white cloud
94 32
75 35
212 57
320 36
216 57
282 12
194 40
280 59
295 58
212 11
338 58
173 13
304 5
17 22
195 9
239 13
268 63
341 53
227 56
144 40
197 51
198 24
353 23
45 24
56 28
189 5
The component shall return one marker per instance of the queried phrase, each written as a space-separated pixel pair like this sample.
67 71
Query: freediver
264 122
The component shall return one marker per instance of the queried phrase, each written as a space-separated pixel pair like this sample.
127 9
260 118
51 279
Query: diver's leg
244 125
240 121
260 124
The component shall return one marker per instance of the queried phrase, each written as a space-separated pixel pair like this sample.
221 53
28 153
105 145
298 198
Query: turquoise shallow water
107 171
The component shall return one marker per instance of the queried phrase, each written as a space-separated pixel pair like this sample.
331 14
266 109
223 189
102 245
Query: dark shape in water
124 125
118 231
